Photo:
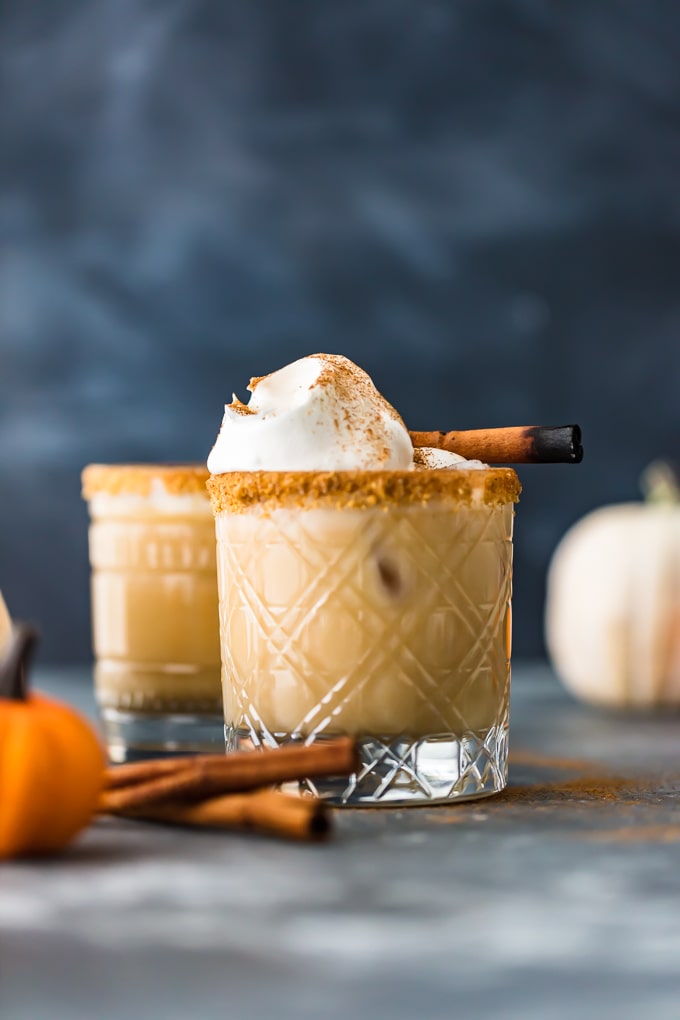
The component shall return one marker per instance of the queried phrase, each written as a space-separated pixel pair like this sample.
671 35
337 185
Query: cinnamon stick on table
203 776
267 811
523 444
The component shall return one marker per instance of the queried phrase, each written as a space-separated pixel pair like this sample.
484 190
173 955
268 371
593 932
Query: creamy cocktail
154 608
372 598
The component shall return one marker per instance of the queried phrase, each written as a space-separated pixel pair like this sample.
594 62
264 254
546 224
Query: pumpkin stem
14 666
660 483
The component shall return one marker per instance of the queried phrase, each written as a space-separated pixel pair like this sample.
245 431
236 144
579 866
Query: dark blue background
477 200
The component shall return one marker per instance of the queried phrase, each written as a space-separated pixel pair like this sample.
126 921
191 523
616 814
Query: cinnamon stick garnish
266 811
205 776
133 773
522 444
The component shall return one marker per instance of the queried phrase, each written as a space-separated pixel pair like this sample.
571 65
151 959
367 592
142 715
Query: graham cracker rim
243 491
137 479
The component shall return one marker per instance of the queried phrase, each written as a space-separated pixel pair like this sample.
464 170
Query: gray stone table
558 899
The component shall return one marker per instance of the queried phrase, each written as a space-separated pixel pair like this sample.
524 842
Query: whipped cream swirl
320 413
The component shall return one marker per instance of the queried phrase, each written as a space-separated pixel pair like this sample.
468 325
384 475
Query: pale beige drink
375 604
154 608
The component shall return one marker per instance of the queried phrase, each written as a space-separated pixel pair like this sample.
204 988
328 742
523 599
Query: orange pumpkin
51 762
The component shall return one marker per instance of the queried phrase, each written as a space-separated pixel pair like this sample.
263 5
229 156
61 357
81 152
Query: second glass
375 604
154 609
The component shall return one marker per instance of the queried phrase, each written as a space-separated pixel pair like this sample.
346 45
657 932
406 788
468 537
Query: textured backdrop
477 201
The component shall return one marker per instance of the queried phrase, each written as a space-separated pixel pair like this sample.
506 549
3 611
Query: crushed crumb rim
137 479
244 491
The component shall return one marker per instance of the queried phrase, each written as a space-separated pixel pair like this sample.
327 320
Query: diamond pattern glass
390 624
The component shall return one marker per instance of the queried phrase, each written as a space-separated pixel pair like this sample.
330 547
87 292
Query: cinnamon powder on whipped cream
319 413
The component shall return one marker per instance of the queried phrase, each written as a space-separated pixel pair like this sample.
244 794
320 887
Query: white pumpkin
613 606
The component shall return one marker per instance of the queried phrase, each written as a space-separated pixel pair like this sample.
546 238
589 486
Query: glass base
133 736
401 771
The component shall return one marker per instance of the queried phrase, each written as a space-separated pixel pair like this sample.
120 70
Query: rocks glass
375 604
154 609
